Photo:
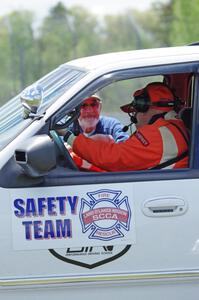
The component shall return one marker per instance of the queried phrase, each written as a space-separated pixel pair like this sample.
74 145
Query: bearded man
93 125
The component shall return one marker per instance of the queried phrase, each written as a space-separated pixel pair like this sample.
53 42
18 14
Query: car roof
102 64
137 58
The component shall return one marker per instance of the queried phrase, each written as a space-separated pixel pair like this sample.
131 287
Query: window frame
144 175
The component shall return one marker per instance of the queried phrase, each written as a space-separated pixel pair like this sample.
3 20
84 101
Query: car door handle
164 207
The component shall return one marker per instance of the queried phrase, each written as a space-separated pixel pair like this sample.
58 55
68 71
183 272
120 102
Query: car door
103 234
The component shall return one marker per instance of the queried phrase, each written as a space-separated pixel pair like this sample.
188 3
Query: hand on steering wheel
63 150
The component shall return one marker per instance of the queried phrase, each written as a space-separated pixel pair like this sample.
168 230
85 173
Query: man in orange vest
160 140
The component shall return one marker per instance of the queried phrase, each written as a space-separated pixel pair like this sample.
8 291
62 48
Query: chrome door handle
164 207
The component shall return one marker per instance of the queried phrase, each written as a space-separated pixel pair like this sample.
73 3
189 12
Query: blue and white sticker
105 215
77 216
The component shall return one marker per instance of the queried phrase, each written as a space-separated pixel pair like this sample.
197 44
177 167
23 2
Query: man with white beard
91 124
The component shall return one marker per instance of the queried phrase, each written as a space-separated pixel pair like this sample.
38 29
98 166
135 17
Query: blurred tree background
27 53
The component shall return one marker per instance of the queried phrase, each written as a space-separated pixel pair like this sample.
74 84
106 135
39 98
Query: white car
144 240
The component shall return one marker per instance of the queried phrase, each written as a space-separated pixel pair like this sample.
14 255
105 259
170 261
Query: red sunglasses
93 104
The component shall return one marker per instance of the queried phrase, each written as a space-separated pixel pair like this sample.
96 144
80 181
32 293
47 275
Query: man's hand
69 137
102 137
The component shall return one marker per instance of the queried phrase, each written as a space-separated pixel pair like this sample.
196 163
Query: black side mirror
37 156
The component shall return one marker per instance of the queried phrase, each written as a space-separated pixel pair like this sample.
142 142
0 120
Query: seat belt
171 161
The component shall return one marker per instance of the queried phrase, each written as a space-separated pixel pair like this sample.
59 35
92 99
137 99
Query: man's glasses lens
93 105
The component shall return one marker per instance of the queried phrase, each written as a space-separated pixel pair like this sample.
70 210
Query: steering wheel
63 150
72 117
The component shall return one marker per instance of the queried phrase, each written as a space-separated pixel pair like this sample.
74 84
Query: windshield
54 85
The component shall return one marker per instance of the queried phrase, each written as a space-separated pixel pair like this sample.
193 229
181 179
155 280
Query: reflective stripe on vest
170 147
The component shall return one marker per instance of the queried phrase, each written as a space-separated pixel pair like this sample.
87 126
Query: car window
118 93
114 93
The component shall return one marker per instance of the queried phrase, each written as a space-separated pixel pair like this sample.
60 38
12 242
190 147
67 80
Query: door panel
149 246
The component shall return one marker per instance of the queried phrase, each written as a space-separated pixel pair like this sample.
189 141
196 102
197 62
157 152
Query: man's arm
132 154
113 127
117 132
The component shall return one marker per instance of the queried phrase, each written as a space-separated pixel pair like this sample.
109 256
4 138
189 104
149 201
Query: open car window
118 93
115 89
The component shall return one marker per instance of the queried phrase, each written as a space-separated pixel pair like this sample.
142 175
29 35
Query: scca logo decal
105 215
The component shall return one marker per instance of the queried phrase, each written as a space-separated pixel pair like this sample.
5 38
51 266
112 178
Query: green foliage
174 22
66 34
185 22
17 48
54 41
86 33
26 54
156 24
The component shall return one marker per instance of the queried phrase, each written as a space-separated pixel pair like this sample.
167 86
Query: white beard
88 123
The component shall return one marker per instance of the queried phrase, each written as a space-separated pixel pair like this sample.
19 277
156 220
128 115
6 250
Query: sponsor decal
90 257
105 215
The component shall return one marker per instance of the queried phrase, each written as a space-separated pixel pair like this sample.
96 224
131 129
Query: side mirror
37 156
31 99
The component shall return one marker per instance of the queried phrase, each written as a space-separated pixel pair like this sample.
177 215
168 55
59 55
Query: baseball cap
156 94
93 97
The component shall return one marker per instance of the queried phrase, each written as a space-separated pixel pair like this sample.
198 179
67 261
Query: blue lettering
20 210
37 230
31 207
41 206
49 229
73 203
62 205
51 206
28 233
64 228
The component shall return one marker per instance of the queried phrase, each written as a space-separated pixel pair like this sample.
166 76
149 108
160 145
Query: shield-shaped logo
90 257
105 215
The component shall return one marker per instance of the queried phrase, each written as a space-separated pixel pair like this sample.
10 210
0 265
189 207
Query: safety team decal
73 217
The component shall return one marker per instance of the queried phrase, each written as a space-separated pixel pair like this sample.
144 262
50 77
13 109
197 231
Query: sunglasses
93 105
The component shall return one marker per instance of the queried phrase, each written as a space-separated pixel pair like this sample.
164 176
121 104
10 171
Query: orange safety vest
148 147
